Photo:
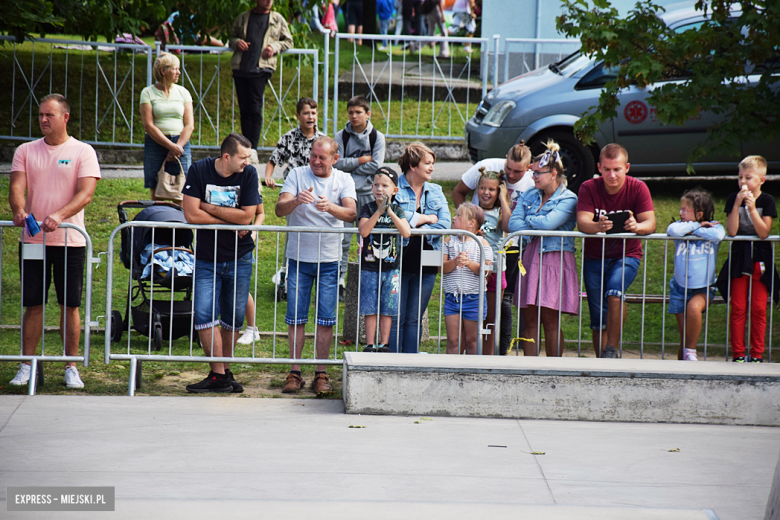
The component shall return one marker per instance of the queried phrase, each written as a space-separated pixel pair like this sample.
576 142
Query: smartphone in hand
618 220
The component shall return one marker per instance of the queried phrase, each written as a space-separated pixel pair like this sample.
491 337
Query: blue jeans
384 25
300 281
154 157
678 300
379 296
618 274
214 296
412 305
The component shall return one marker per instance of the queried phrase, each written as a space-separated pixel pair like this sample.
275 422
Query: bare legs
553 337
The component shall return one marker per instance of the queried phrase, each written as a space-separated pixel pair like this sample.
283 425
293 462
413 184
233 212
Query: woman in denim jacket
426 208
550 206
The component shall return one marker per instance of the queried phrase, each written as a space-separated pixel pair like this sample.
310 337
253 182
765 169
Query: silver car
546 102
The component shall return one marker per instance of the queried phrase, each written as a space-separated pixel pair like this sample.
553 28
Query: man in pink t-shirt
53 179
610 265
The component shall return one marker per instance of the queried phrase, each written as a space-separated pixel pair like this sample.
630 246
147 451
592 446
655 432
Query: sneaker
381 48
610 353
238 388
690 355
293 384
22 376
739 359
213 383
383 348
321 384
369 348
250 334
756 360
467 49
72 379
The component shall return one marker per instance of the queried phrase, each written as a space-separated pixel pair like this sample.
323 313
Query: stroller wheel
116 326
281 292
158 336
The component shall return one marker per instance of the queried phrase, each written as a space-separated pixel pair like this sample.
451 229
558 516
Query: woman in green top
166 112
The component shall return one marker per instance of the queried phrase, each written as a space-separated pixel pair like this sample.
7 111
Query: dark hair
303 102
701 202
414 153
359 101
232 142
59 98
613 151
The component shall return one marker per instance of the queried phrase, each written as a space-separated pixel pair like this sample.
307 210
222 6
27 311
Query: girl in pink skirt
550 282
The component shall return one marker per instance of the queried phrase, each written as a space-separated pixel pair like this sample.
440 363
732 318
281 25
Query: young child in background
750 268
380 258
691 289
461 279
494 201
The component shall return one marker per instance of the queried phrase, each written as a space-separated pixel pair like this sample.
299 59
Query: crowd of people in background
344 181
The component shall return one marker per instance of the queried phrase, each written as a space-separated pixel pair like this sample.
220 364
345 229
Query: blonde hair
472 212
520 153
554 147
163 62
414 153
754 162
323 139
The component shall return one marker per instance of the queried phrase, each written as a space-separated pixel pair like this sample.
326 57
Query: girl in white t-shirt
493 198
461 278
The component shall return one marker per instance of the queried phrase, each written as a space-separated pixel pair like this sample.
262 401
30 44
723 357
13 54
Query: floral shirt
294 149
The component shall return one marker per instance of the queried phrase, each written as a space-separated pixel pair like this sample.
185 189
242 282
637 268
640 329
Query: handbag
169 186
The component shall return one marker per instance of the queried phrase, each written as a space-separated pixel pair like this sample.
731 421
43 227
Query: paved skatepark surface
174 457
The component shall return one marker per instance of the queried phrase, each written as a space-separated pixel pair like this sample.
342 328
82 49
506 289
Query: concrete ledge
567 389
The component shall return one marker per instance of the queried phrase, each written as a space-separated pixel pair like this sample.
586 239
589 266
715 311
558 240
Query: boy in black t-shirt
750 268
379 257
221 191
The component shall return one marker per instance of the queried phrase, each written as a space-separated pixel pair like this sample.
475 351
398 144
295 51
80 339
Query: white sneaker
690 355
72 379
22 376
467 49
250 334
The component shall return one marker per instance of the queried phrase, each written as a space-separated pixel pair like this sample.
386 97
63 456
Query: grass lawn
266 380
104 90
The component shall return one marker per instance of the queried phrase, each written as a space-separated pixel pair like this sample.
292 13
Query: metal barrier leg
33 377
131 383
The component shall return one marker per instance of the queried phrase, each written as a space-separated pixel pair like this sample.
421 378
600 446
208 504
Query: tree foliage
704 68
93 19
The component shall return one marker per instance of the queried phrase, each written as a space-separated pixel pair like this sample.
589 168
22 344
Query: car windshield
570 64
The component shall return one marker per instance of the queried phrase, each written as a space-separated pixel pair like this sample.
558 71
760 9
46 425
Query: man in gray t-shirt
314 196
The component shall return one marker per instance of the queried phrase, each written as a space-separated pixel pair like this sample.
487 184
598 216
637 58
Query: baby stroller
156 268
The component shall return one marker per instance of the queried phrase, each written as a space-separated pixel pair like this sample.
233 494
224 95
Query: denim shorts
619 273
388 292
300 281
214 301
677 296
470 303
154 156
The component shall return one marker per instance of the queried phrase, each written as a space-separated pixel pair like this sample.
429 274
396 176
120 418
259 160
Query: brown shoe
321 385
293 384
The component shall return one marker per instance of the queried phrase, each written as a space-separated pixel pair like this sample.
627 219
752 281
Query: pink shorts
491 282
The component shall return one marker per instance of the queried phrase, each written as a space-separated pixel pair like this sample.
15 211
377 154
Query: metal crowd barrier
112 78
162 302
658 273
107 112
202 81
13 280
387 82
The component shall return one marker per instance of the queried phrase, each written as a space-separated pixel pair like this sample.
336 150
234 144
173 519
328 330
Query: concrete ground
174 457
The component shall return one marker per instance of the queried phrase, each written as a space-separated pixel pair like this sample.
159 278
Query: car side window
597 78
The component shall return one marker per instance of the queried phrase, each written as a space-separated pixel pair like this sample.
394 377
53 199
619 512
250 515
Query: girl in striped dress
462 274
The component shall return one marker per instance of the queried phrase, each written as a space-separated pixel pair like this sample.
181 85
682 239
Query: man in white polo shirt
53 179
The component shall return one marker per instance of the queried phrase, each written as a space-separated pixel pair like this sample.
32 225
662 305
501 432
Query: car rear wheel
578 161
